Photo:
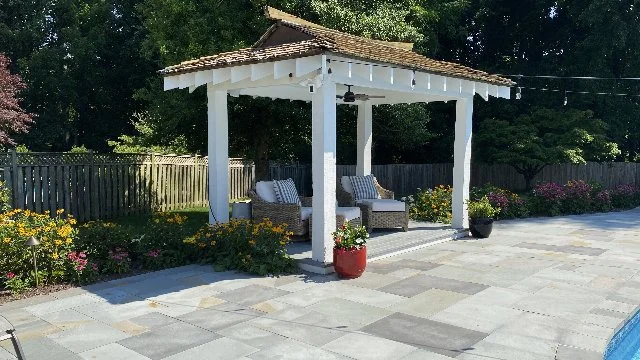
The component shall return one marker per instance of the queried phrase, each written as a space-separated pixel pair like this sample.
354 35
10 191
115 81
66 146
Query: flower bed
257 248
71 254
546 199
433 205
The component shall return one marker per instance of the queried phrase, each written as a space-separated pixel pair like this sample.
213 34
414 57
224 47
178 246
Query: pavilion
299 60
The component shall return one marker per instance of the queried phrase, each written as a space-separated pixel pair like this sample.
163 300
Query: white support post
365 129
324 172
218 149
462 162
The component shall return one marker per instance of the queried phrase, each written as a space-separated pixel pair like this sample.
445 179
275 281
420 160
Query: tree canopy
90 67
13 118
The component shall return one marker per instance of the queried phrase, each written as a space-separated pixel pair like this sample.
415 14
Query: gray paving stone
486 350
384 267
251 295
43 348
580 250
420 283
252 336
316 335
607 312
294 350
368 347
87 336
168 340
571 353
219 349
112 352
153 320
429 302
111 313
219 317
418 265
62 304
426 334
350 311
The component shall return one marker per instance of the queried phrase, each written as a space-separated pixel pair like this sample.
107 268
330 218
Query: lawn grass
196 218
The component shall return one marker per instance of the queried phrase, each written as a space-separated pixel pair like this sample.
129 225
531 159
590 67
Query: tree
13 118
81 62
546 136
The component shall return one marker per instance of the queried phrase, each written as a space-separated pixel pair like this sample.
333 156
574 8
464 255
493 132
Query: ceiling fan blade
376 96
339 96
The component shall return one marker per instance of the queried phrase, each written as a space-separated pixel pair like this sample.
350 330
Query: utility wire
569 77
578 92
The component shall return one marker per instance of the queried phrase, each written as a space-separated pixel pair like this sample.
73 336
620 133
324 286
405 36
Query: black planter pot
481 227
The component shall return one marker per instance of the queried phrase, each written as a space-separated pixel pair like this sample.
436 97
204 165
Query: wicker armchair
289 214
375 219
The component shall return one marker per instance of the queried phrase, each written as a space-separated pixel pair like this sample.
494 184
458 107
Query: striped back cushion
286 192
364 187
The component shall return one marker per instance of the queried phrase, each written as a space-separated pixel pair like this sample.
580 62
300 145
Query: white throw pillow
346 184
264 189
286 192
364 187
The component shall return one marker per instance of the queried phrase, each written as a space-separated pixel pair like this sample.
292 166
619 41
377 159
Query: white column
462 162
218 149
324 172
365 129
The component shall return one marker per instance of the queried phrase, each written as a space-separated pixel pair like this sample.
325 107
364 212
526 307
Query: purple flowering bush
625 196
511 205
579 197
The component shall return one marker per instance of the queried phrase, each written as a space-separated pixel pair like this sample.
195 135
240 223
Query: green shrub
100 238
5 198
257 248
511 205
482 208
433 205
162 245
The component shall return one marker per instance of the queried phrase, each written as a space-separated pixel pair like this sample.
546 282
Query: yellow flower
72 221
59 211
6 240
68 240
213 243
54 255
58 242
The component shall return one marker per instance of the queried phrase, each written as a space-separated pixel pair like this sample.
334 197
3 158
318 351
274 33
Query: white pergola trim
329 73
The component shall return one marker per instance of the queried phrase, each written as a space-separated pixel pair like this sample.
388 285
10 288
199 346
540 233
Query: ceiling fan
350 97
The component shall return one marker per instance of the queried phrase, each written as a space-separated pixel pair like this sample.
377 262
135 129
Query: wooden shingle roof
292 37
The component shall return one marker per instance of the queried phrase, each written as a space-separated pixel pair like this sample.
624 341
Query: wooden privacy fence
404 179
102 186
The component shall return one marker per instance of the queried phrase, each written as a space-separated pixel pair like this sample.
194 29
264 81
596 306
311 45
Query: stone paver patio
548 288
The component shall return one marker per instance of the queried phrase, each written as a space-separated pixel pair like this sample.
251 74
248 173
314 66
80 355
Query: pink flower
154 253
80 267
94 266
10 275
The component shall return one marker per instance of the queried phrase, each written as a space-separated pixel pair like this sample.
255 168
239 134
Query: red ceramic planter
350 264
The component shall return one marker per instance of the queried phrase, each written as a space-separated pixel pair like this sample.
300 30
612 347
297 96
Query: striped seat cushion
286 192
364 187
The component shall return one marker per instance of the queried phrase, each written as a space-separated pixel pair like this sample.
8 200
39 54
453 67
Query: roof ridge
284 17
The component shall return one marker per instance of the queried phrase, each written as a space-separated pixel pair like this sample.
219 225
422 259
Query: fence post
152 196
14 178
